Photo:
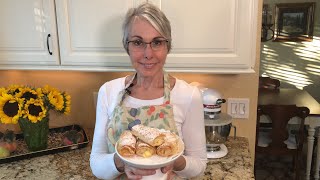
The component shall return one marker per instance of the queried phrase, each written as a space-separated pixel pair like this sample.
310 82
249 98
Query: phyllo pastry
170 145
148 135
126 144
144 150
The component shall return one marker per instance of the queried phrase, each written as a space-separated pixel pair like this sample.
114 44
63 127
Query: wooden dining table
298 97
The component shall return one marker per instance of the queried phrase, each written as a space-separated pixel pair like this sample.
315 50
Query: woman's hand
178 165
131 172
135 173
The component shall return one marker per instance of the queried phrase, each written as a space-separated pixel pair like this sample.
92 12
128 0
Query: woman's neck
147 87
150 82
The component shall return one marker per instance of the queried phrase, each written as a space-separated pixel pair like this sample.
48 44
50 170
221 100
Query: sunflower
14 89
2 90
34 104
35 110
56 100
47 89
67 104
10 108
28 93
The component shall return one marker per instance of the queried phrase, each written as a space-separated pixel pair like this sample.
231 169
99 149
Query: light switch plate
238 107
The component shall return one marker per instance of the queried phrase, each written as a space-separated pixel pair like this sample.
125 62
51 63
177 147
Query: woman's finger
135 173
167 168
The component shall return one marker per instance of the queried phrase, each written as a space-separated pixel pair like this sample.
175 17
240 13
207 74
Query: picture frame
294 21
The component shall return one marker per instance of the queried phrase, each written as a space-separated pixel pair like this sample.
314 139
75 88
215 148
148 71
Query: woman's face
147 62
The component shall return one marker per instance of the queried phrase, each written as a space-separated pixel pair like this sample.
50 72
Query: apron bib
157 116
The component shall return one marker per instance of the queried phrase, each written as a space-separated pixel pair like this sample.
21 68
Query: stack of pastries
145 141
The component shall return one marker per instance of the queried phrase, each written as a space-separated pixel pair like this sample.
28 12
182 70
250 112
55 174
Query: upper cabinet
28 34
211 36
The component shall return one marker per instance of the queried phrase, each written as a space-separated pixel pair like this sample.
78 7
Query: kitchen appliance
217 124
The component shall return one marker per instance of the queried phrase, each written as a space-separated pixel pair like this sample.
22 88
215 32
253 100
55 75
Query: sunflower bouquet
29 107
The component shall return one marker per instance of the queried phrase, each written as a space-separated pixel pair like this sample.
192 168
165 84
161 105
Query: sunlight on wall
295 63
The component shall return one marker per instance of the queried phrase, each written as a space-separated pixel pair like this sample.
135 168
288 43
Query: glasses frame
146 43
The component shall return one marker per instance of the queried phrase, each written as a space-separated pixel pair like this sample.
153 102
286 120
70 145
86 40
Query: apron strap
166 84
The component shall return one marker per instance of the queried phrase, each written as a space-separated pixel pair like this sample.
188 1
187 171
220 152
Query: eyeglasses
139 45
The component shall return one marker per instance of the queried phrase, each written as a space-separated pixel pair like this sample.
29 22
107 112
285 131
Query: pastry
144 150
170 145
126 144
148 135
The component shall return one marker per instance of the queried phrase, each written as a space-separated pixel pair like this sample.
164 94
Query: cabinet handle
49 35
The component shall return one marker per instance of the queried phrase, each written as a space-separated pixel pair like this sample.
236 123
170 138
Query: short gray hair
153 15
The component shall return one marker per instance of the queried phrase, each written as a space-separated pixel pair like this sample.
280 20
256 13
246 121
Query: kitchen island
74 165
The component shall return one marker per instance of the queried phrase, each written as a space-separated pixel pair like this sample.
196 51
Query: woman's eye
157 42
138 43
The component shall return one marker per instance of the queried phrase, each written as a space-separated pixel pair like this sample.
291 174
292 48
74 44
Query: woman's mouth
148 65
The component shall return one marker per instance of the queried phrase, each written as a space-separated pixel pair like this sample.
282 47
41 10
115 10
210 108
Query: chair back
269 83
280 115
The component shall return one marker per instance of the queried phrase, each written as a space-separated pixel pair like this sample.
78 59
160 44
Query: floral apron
157 116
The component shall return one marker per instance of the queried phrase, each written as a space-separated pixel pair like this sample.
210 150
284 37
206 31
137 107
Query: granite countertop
74 165
236 165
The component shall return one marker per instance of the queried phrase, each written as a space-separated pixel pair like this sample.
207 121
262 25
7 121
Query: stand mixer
217 124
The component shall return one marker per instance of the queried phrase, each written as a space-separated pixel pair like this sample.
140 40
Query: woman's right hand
131 172
136 173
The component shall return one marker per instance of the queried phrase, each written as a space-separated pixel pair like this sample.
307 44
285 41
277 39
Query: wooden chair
279 141
269 83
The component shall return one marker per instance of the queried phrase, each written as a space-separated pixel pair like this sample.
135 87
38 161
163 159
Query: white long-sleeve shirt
188 116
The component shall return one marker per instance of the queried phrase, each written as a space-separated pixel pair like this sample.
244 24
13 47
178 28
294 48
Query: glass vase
35 134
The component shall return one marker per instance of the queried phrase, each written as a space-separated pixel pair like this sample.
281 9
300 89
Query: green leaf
152 118
166 122
130 119
161 126
164 112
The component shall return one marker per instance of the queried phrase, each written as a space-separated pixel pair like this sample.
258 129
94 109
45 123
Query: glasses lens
139 45
158 44
136 45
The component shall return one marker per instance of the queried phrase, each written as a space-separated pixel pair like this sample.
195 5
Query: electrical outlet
238 107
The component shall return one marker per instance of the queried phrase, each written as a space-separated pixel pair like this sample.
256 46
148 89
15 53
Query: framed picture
294 21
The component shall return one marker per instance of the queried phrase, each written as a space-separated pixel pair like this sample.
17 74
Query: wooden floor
279 168
275 168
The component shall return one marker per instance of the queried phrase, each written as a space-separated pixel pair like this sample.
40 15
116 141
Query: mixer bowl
216 135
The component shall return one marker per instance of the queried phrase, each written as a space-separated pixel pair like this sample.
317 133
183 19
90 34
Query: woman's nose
148 52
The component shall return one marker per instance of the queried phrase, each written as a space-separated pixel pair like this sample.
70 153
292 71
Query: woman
147 40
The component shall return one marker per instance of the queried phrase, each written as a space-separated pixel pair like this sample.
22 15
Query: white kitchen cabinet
208 36
90 34
28 34
212 35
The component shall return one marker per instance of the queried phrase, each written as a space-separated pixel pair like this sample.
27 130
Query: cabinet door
212 35
24 34
90 34
208 36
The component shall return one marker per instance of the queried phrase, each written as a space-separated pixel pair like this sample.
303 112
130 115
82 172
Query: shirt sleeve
193 133
101 161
